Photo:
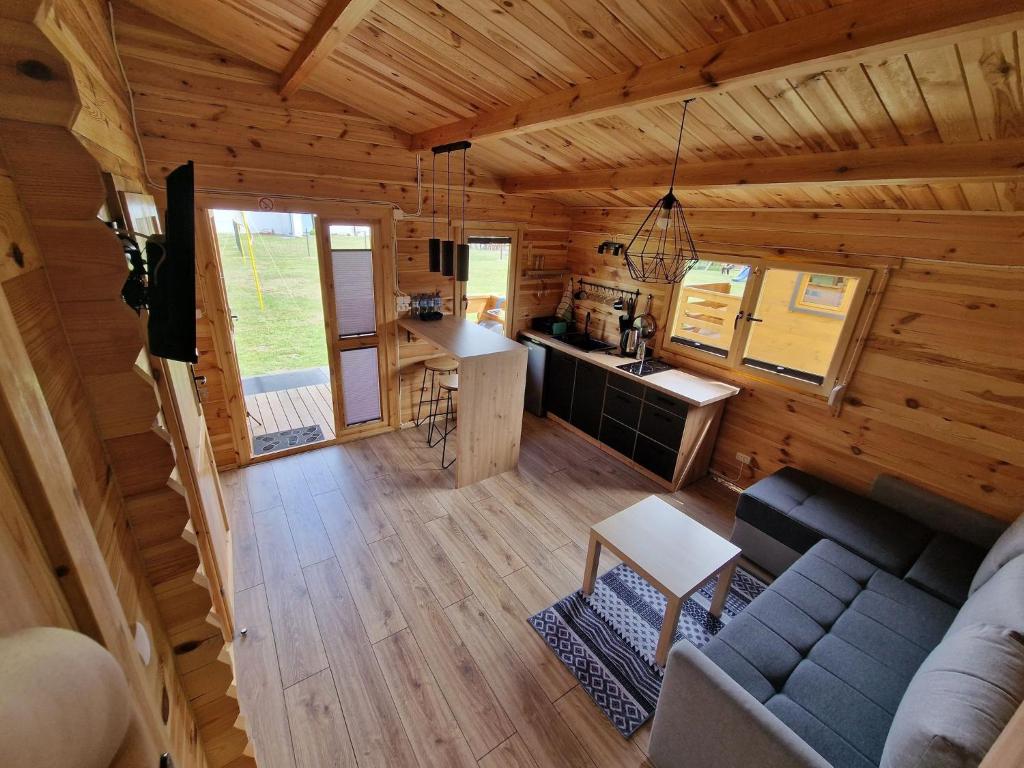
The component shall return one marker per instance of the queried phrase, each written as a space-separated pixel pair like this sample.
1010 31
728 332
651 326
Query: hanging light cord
433 198
679 143
449 201
464 196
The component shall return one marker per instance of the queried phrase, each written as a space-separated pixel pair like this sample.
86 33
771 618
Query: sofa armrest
704 718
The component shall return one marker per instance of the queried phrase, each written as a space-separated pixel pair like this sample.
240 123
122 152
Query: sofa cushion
999 601
946 567
830 648
840 707
1007 547
959 701
799 510
830 745
937 512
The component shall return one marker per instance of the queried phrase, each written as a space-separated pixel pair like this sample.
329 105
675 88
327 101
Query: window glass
797 323
709 301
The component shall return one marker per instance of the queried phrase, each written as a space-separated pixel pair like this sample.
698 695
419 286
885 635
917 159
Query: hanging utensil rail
608 290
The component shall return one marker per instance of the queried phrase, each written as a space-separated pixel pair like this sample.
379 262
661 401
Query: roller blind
360 385
353 292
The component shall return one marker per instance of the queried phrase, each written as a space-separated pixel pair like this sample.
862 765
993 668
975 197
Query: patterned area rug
608 639
288 438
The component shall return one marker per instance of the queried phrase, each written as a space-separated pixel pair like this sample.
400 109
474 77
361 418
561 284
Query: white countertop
695 390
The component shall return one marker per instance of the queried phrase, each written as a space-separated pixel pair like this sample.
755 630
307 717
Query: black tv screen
172 273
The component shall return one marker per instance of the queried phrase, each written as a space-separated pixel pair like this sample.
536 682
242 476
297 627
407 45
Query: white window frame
733 361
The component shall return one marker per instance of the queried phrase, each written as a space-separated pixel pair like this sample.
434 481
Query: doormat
608 639
288 438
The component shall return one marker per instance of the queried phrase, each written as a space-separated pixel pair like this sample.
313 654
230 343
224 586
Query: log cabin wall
87 352
938 394
197 101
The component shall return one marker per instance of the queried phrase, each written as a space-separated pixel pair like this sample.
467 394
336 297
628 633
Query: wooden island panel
492 383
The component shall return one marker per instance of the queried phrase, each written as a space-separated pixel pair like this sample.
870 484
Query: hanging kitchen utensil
646 322
617 304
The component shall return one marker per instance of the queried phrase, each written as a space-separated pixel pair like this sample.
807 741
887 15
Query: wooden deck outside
290 409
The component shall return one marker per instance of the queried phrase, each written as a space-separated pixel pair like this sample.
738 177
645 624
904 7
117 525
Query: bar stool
435 366
446 385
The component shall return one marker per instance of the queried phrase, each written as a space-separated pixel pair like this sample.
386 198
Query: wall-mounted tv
171 262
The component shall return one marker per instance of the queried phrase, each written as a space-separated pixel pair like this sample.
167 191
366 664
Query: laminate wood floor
385 611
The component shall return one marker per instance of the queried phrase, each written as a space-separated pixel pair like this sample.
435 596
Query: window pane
802 316
708 303
360 385
352 267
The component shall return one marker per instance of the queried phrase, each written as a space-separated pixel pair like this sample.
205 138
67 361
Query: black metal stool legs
432 418
447 431
419 407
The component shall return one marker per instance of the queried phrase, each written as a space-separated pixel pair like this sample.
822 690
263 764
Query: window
790 322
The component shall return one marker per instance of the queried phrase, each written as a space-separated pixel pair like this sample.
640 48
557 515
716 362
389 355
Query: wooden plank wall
88 353
39 320
542 233
938 396
197 101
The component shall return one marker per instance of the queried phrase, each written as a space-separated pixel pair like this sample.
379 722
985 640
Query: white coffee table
674 552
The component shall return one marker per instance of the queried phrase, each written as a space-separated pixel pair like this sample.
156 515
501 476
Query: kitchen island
492 382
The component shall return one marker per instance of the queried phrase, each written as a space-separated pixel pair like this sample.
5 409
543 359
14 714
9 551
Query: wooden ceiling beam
337 19
918 164
825 40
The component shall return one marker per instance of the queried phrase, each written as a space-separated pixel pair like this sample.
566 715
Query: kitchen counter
492 382
459 338
693 389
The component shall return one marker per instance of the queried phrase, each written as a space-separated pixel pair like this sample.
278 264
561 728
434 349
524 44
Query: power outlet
743 458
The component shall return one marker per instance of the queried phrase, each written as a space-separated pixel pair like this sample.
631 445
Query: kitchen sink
585 342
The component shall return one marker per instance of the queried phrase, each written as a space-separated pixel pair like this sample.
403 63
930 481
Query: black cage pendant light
662 250
434 243
448 246
462 251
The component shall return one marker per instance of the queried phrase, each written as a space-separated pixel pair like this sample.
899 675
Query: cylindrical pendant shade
462 262
434 254
448 258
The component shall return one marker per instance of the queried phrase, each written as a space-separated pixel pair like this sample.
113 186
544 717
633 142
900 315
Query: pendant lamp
448 246
662 250
462 254
434 243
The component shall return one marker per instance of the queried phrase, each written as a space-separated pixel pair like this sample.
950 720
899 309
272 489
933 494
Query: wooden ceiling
419 65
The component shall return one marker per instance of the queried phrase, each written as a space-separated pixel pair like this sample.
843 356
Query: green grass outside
488 272
287 334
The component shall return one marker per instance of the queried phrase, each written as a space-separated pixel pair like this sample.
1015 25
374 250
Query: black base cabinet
638 421
656 457
558 383
617 436
588 398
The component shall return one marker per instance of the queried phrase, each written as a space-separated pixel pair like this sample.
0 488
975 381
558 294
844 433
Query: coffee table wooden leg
593 558
722 589
668 629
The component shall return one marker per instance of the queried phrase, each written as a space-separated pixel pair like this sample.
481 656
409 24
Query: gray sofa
893 636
